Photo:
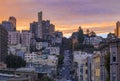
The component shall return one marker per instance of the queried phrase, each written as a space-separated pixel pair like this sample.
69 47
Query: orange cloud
67 15
104 27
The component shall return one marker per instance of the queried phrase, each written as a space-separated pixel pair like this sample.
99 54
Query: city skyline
66 15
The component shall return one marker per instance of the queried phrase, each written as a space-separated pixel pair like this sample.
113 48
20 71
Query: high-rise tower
34 29
39 25
13 21
7 25
3 43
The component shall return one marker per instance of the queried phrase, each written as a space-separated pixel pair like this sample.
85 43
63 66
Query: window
113 52
86 64
114 59
114 78
86 72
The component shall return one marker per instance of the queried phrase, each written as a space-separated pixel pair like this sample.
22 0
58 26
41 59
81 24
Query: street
66 67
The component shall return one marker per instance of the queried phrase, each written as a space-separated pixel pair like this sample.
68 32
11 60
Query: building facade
47 29
25 39
114 59
13 37
34 28
95 72
54 50
83 69
57 38
3 43
104 50
95 40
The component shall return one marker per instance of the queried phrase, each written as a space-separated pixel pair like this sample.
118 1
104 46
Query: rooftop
26 69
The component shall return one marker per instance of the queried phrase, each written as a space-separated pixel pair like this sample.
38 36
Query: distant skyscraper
34 28
40 24
7 25
3 43
52 29
117 30
42 29
47 29
13 21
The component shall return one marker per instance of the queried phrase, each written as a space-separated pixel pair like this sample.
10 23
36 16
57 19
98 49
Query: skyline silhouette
66 15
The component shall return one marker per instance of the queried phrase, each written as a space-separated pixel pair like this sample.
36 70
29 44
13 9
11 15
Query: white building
13 37
36 61
54 50
41 44
29 57
93 40
49 60
16 48
80 58
38 45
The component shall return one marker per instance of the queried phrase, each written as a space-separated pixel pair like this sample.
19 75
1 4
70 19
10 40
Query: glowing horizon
66 15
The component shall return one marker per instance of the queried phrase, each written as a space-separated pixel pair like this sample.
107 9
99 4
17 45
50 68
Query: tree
111 35
46 78
60 59
70 44
66 44
84 47
78 46
14 61
80 35
87 32
88 48
92 34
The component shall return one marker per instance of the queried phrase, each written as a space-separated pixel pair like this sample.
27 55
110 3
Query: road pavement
65 70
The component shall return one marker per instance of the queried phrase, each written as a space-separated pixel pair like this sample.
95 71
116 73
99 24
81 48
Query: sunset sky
67 15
